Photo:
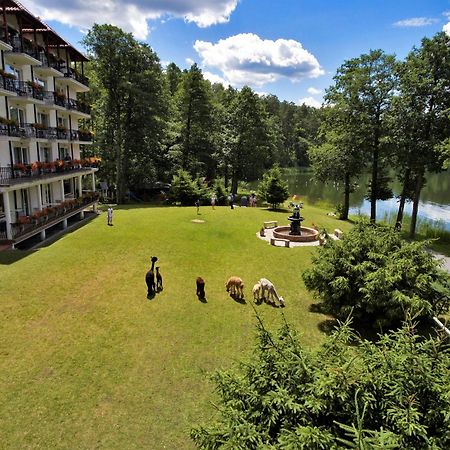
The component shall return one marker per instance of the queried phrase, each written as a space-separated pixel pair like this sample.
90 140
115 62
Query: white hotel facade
45 183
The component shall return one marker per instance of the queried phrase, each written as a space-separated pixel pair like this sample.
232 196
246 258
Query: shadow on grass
8 257
202 299
237 299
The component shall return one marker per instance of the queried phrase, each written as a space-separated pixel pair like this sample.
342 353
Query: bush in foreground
376 275
390 394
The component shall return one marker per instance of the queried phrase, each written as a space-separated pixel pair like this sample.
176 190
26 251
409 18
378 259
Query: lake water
434 205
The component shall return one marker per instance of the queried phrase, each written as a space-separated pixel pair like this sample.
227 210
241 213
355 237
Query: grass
88 362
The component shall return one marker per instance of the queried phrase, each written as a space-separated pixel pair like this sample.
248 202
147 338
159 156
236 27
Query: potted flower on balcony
10 122
60 95
84 134
39 126
23 220
59 165
19 169
8 75
35 86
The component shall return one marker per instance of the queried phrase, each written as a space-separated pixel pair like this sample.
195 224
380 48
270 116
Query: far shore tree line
381 115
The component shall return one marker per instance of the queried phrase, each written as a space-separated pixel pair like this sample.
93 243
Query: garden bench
271 224
273 240
338 233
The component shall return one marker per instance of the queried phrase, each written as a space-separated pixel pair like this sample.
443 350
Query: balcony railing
37 170
39 131
23 46
50 216
8 83
72 73
48 60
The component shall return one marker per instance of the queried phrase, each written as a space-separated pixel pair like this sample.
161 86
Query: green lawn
88 362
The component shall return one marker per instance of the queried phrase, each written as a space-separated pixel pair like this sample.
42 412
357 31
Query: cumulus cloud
415 22
310 101
213 78
189 61
446 28
248 59
314 91
132 15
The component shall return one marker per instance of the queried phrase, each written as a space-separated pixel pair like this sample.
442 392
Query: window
12 70
46 154
43 118
40 82
21 155
63 152
46 194
62 121
18 115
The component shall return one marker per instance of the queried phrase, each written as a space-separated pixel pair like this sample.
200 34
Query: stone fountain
295 232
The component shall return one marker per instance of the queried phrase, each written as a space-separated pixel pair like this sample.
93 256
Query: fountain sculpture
295 232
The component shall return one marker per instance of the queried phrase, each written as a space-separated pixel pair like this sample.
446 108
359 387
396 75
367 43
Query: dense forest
151 121
380 116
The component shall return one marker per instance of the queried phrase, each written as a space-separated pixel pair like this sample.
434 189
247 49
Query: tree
363 88
388 394
247 138
420 117
129 106
183 188
195 118
272 188
378 277
340 158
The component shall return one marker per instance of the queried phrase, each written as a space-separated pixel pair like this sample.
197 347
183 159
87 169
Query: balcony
50 66
77 81
39 131
8 83
29 90
23 52
27 226
23 173
76 105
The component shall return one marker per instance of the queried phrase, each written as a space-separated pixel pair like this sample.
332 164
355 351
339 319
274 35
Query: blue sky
290 48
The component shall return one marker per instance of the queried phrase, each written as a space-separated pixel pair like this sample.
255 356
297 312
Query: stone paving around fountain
269 235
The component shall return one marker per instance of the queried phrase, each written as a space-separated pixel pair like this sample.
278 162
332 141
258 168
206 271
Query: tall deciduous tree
130 105
420 118
247 137
195 117
340 158
364 86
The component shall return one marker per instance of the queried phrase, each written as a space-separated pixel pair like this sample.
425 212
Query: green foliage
377 276
272 188
220 191
183 188
389 394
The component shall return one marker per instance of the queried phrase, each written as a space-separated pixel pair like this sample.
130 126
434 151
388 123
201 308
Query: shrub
272 188
183 189
388 394
374 274
219 190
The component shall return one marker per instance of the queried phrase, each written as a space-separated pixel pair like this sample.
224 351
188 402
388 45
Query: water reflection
434 205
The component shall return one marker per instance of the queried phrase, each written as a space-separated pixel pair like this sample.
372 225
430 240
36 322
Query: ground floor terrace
30 206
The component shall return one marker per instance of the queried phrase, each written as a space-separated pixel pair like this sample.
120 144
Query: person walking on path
231 197
213 201
110 216
197 204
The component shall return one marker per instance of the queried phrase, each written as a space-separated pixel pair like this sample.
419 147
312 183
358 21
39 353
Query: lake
434 205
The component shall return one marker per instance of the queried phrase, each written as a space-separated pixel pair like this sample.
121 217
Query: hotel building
45 182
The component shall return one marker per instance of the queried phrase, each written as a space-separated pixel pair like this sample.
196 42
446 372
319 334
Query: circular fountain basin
308 234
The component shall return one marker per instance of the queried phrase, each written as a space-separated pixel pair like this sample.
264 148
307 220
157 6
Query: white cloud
248 59
213 78
132 15
314 91
446 28
261 93
310 101
189 61
416 22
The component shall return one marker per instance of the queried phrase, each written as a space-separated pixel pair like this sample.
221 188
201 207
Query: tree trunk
401 206
417 190
374 187
344 215
234 183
